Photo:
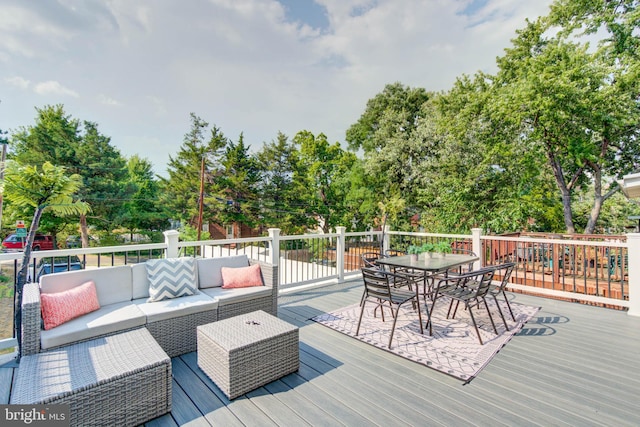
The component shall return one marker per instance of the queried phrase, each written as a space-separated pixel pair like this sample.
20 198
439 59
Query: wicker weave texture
123 380
227 311
248 351
31 320
178 335
271 278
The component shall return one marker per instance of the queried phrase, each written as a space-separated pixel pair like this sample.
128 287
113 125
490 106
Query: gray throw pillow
171 278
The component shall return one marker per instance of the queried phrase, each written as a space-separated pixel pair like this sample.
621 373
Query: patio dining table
430 265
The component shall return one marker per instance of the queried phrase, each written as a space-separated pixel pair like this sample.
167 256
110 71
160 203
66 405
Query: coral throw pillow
243 277
60 307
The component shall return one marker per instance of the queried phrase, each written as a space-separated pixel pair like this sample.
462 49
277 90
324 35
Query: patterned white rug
454 347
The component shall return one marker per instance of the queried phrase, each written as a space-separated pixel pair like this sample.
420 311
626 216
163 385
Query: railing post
633 246
385 242
274 233
340 248
171 238
476 245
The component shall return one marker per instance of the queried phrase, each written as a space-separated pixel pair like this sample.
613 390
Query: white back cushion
209 275
140 281
113 284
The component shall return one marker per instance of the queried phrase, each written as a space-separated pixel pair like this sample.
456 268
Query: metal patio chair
379 289
496 290
431 280
470 289
369 259
394 252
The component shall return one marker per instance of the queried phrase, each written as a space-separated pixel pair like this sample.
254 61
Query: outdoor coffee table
245 352
117 380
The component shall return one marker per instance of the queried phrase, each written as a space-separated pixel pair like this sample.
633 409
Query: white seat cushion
106 320
176 307
230 296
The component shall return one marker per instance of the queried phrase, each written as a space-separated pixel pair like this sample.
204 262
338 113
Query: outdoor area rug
454 347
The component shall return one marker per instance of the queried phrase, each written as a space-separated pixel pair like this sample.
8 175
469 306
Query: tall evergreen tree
142 212
104 175
238 181
61 140
181 190
282 189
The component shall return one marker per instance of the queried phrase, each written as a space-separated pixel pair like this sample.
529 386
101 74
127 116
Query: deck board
6 378
213 408
572 364
242 408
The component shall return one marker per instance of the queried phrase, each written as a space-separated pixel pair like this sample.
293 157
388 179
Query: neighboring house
232 231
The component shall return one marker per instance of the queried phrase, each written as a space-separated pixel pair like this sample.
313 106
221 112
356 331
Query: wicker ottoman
118 380
245 352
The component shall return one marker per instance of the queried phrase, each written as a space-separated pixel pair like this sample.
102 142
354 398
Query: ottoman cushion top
246 329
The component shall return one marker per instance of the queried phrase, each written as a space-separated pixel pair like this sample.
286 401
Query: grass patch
6 290
7 350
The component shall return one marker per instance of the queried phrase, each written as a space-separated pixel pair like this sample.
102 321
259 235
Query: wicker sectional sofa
123 293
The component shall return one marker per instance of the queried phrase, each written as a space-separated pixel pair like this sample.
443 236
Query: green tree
361 198
4 142
238 181
620 19
53 138
323 166
576 105
386 132
478 174
41 188
104 175
282 187
181 189
61 140
142 211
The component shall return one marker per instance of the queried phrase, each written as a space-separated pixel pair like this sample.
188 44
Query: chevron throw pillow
171 278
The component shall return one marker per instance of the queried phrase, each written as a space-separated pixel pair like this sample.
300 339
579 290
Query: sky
252 67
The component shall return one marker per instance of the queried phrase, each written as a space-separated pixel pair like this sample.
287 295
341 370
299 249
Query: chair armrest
468 280
270 278
31 319
454 280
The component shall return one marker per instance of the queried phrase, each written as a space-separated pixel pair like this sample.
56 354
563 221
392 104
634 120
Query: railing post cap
171 232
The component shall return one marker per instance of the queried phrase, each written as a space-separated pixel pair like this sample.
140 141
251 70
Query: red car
42 242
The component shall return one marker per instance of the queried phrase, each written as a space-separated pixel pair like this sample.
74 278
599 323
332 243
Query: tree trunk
598 199
567 212
565 190
84 232
22 276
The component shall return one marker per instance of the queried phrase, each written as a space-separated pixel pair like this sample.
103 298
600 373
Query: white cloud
52 87
158 105
106 100
17 81
240 64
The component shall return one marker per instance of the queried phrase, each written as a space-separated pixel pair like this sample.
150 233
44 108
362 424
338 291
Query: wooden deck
571 365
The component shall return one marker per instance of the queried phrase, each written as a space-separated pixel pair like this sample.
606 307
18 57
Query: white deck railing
594 272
